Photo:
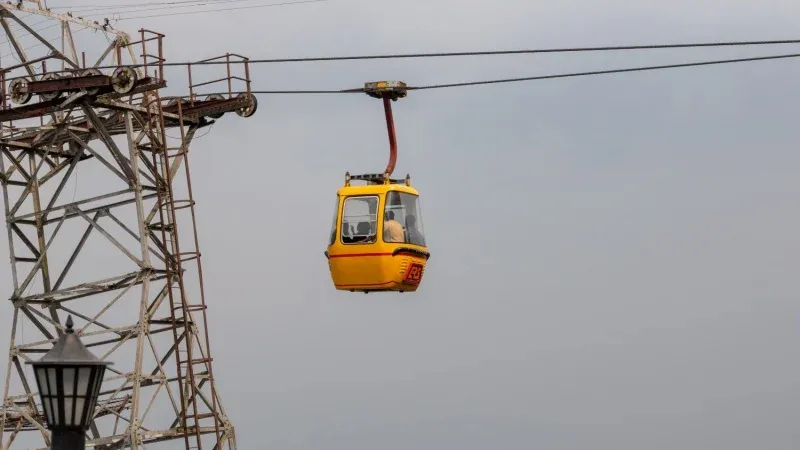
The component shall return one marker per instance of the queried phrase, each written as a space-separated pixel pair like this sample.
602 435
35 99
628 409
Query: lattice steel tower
124 258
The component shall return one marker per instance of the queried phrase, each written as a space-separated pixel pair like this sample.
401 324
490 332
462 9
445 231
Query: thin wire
546 77
26 33
472 53
196 137
431 55
605 72
23 32
136 5
13 53
529 51
115 10
125 11
512 80
40 44
494 52
222 9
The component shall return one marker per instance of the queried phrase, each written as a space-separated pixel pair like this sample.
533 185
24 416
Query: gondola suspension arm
389 91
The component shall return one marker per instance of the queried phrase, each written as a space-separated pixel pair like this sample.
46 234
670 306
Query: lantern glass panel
83 381
40 376
46 379
68 379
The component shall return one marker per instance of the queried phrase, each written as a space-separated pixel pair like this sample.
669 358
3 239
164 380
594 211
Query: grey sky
614 259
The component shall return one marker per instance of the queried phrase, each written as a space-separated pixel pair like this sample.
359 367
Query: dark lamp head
69 378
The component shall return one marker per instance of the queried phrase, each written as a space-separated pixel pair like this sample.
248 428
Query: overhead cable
471 53
612 71
496 81
543 77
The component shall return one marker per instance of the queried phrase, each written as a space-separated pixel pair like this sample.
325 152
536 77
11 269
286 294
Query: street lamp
69 378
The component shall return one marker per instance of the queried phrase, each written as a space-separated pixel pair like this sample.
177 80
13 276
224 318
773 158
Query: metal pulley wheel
174 102
17 95
124 79
47 96
215 98
90 73
249 109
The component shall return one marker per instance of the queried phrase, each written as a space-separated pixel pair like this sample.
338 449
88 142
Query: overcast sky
614 259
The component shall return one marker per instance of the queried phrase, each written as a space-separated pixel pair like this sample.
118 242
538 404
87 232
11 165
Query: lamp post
69 378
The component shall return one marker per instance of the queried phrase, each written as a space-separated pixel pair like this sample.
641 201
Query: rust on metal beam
208 108
28 111
77 117
68 83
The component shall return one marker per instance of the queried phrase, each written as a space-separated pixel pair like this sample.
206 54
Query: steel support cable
528 51
544 77
612 71
508 80
415 55
468 53
471 53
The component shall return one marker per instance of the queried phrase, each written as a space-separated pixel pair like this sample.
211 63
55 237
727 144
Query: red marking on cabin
353 255
413 274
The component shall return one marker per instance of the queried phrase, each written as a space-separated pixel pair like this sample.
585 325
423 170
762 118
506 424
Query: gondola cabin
377 241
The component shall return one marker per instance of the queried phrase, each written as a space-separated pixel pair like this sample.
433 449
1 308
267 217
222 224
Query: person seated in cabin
363 234
392 230
414 235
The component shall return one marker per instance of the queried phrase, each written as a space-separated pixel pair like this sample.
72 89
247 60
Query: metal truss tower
124 258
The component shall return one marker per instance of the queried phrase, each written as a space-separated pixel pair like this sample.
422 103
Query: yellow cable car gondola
377 241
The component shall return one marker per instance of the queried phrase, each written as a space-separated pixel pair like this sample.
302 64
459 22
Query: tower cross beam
101 225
